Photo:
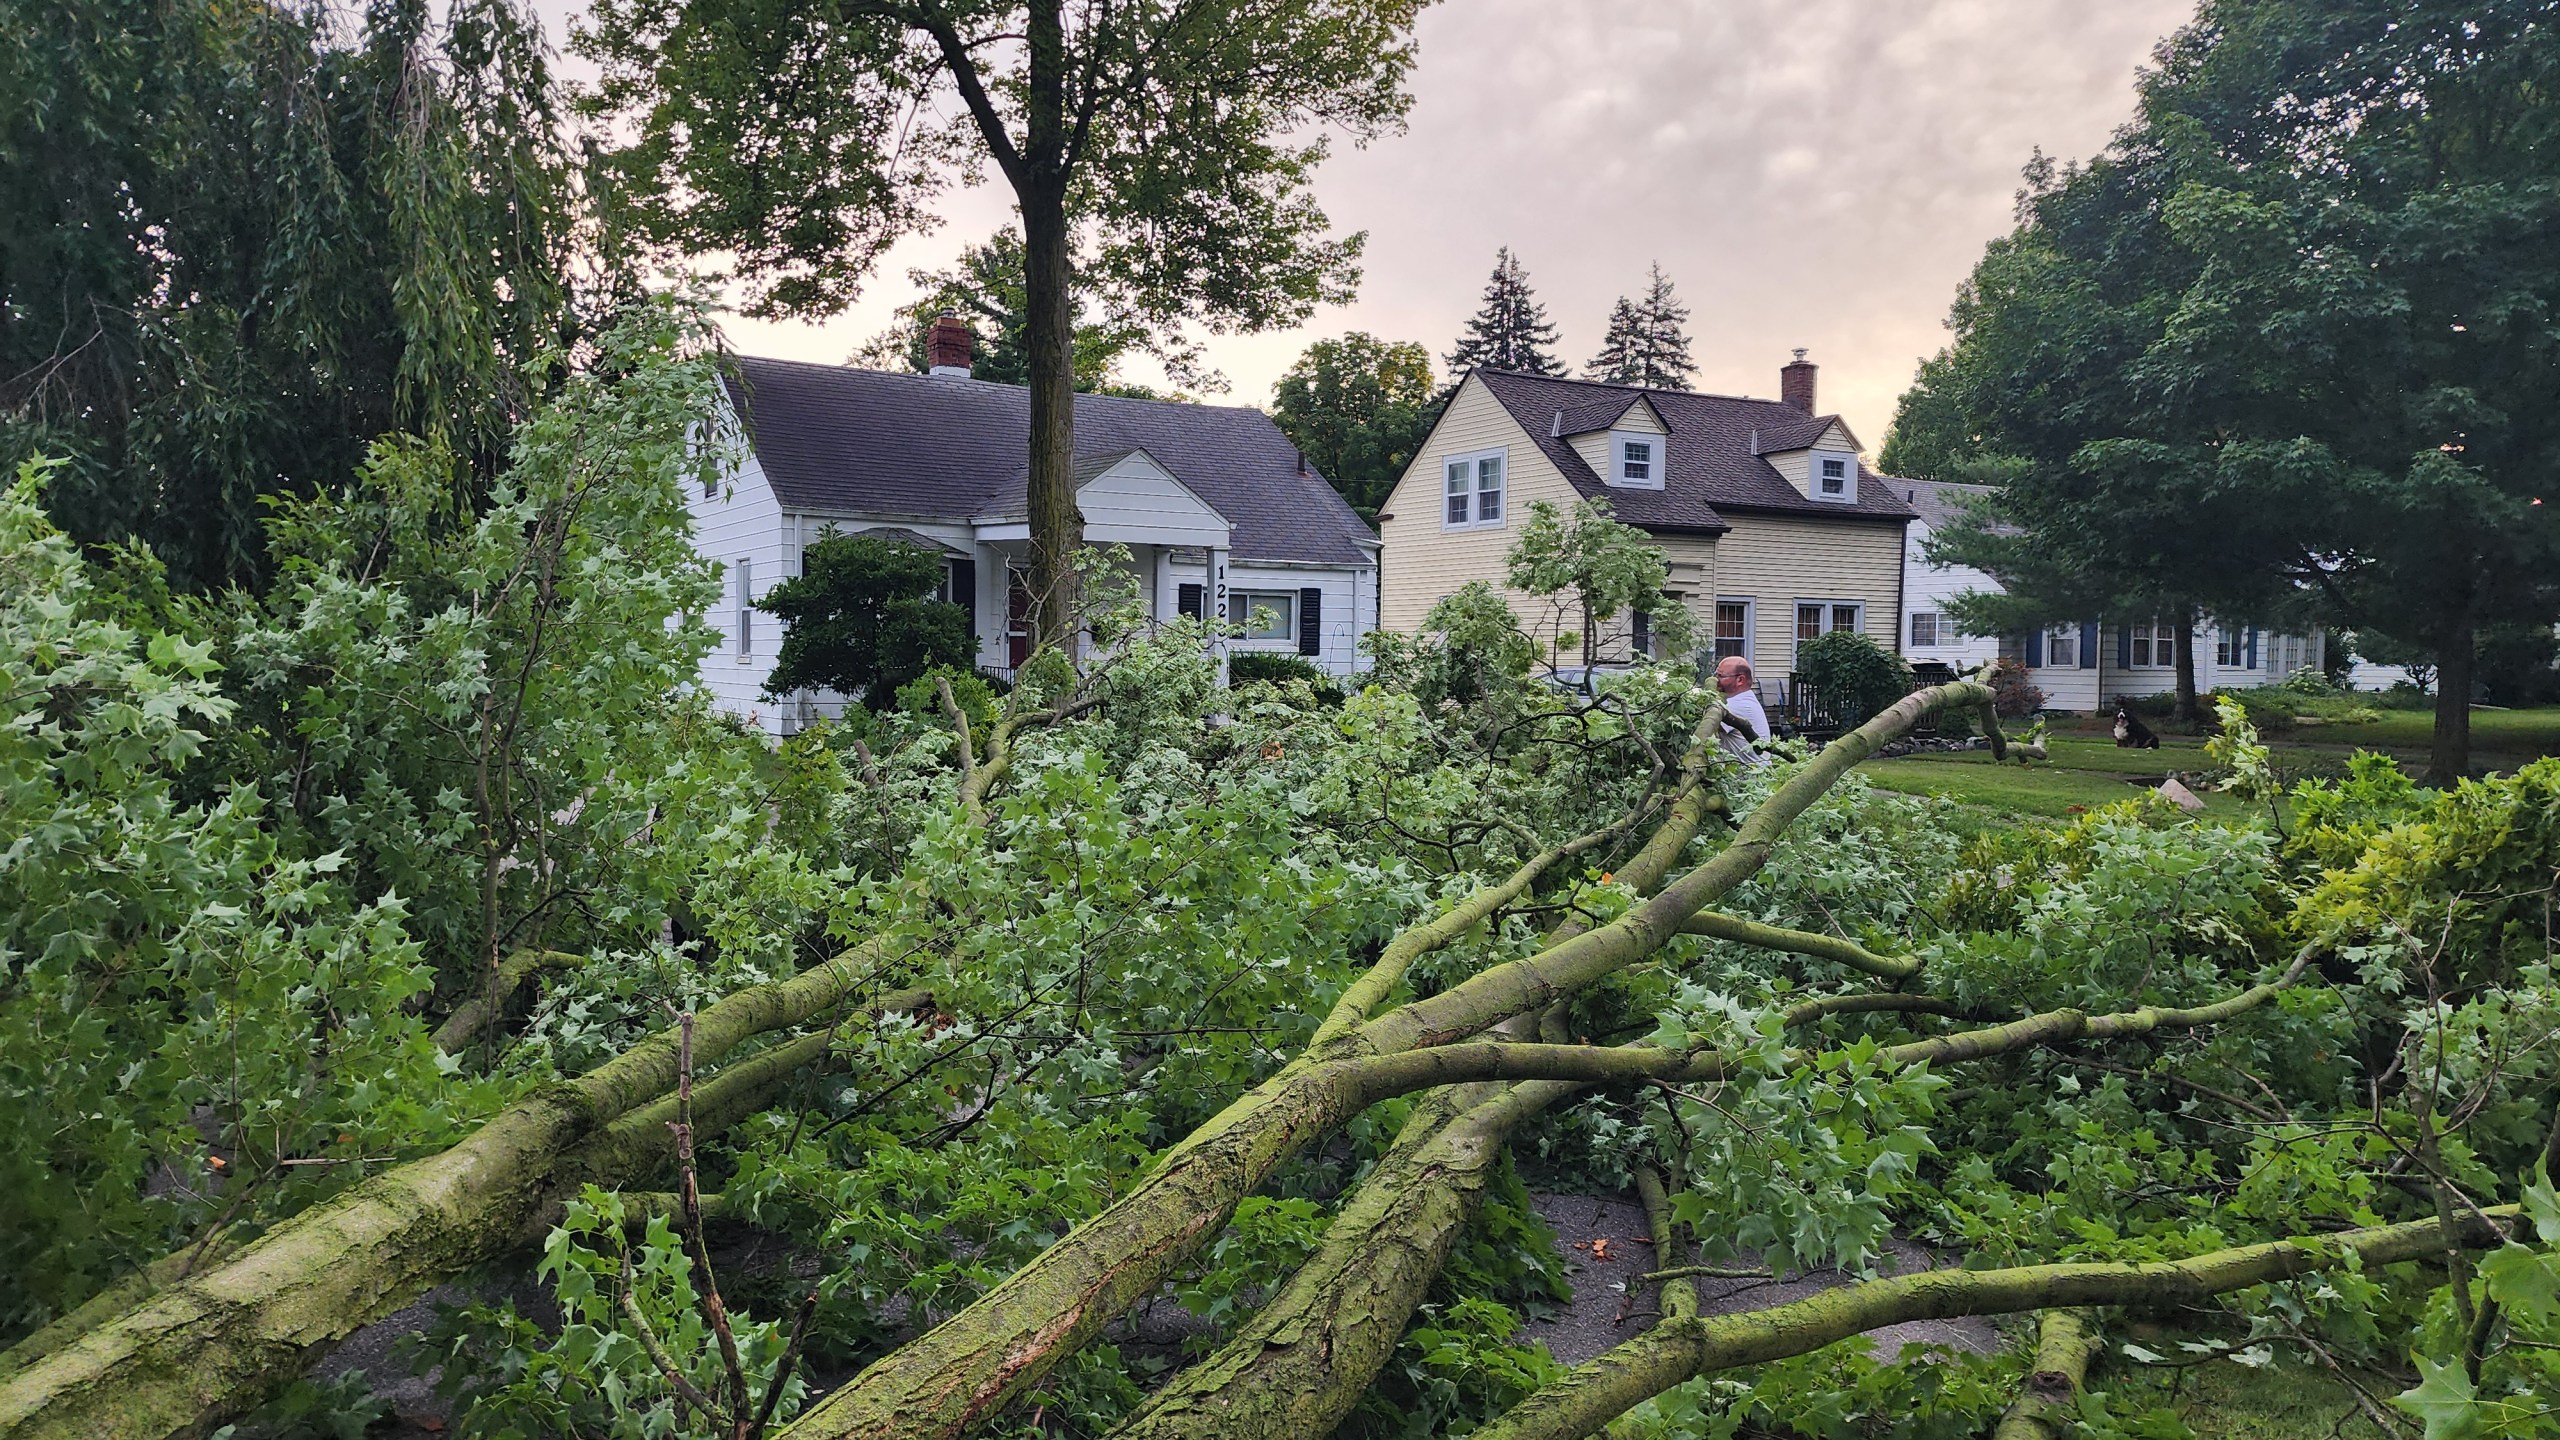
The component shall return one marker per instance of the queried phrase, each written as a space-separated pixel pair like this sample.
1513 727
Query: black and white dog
2131 733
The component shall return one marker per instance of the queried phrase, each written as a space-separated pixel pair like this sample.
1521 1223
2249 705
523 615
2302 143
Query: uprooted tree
416 921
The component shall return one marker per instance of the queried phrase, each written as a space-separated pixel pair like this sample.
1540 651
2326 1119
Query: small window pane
1264 614
1844 617
1639 461
1808 622
1489 488
1924 628
1457 478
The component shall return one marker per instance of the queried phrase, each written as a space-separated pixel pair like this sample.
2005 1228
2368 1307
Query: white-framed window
746 607
2062 647
1733 628
2154 644
1929 629
1264 614
1816 618
1636 460
1471 490
2228 647
1835 477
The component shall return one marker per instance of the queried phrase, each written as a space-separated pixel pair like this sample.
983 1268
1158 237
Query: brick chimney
947 346
1795 382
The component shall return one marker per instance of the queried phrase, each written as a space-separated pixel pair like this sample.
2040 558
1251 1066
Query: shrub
1271 667
2307 681
2013 695
861 620
1854 675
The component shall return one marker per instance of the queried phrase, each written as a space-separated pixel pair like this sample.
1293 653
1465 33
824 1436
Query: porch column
1214 603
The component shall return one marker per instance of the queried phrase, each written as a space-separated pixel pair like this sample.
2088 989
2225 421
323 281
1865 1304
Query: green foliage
1590 568
985 288
862 619
1359 409
1271 667
189 1003
1855 676
509 1378
245 242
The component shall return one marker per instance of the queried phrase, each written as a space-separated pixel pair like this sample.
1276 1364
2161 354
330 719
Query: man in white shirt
1744 719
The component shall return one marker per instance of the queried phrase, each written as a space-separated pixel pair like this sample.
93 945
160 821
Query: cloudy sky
1815 173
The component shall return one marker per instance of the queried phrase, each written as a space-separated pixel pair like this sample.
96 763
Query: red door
1017 618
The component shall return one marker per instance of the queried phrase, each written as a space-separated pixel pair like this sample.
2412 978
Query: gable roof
1711 464
1939 502
839 441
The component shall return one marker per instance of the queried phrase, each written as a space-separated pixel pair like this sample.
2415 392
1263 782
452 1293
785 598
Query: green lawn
2084 767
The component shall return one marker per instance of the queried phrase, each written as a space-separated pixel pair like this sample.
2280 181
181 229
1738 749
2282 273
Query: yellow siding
1776 560
1593 447
1421 563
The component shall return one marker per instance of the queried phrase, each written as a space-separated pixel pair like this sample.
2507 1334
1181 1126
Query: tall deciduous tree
1359 408
1165 146
1594 568
1648 340
244 241
985 287
1510 331
2290 335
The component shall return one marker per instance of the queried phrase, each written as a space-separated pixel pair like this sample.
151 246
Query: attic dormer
1629 446
1825 469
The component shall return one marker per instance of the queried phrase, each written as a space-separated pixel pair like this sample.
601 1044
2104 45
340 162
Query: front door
1017 617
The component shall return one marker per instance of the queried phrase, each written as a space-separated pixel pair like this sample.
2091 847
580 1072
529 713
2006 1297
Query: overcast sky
1809 172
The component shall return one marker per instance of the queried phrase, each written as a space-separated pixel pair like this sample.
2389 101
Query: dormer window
1636 461
1835 477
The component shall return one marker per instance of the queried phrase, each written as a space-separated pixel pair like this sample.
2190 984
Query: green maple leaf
2444 1399
2526 1281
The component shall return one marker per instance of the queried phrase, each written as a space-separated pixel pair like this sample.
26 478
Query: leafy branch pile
375 933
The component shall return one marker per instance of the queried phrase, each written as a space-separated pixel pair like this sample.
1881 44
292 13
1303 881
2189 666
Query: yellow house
1774 529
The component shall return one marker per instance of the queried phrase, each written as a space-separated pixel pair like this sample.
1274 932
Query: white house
1219 513
2086 665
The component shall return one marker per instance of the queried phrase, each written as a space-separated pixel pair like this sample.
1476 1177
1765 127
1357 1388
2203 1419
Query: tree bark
2048 1405
1594 1393
2456 661
1057 525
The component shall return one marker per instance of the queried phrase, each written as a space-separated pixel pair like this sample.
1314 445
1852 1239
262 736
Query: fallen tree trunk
2048 1405
219 1341
1593 1394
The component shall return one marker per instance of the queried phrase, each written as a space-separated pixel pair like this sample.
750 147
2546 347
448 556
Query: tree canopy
243 241
1159 150
985 288
1359 408
2285 345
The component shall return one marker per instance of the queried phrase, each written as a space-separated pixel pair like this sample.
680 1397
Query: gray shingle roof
1938 501
1712 466
834 440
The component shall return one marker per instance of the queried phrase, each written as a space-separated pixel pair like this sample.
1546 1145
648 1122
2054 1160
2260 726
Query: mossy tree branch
1594 1393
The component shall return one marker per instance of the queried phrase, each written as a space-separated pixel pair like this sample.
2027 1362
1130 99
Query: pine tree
1646 344
1511 331
1667 365
1620 361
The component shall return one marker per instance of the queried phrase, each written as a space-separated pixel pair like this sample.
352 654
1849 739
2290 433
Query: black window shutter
2251 663
2035 648
2124 648
1187 601
964 593
2088 644
1310 621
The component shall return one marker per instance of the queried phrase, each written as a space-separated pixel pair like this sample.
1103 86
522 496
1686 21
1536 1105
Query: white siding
1927 588
744 522
1347 611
